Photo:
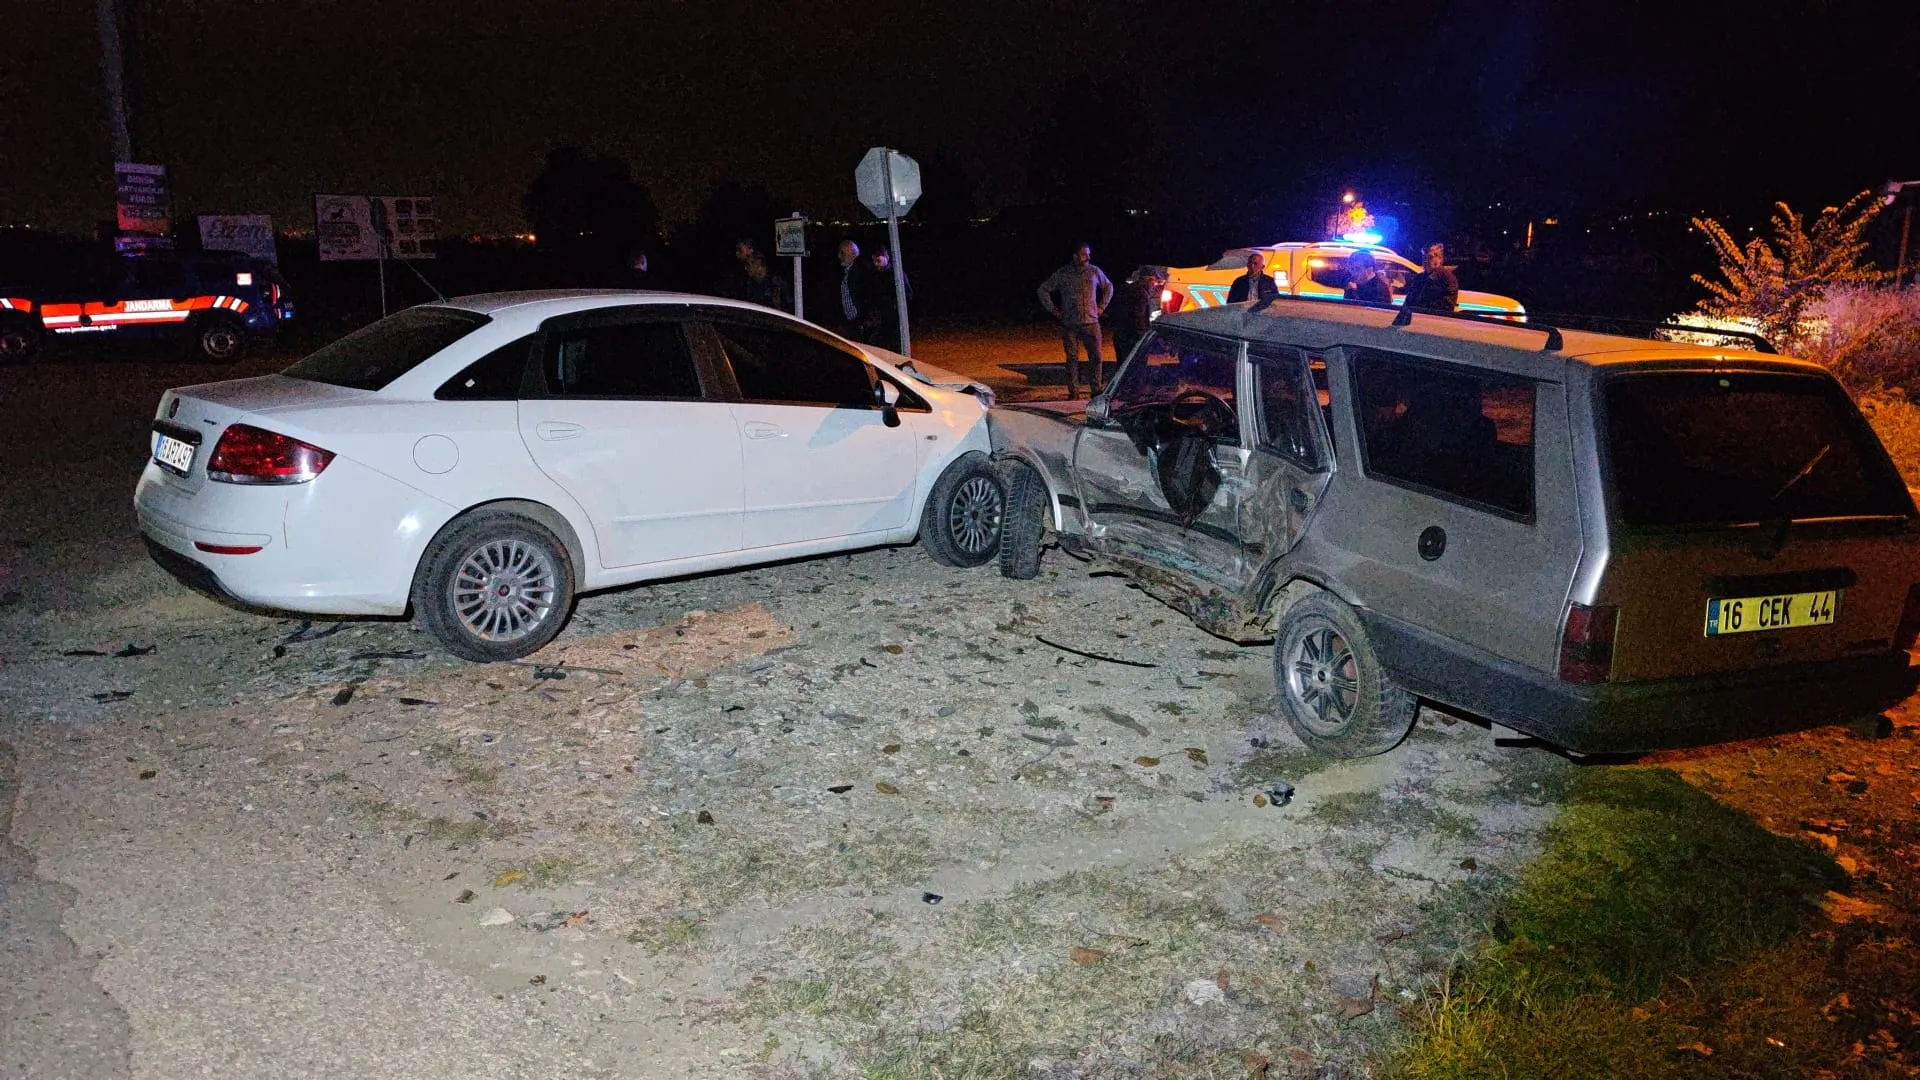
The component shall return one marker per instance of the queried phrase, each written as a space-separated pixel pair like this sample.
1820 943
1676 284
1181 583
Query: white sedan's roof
560 301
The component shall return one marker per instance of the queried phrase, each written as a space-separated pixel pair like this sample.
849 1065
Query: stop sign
870 181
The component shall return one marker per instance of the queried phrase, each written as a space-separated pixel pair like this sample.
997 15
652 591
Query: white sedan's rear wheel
494 586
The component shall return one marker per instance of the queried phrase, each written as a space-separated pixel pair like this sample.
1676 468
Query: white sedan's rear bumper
344 543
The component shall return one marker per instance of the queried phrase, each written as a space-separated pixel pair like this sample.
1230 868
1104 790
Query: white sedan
482 460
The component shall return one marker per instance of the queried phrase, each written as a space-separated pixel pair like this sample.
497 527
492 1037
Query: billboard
142 205
249 234
350 227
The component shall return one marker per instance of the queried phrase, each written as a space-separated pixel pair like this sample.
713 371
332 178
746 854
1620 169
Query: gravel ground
842 814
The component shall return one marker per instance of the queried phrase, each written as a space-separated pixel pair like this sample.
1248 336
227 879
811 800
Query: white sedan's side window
639 360
783 367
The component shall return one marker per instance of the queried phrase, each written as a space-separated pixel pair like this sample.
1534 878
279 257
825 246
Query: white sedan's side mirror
888 395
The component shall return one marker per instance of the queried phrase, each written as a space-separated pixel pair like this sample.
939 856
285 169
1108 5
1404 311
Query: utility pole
113 65
1892 192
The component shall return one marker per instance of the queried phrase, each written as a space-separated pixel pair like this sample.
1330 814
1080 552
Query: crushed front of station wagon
1610 543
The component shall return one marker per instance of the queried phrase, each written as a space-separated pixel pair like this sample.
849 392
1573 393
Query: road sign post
888 183
790 238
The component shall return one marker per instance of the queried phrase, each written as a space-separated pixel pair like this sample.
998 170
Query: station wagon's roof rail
1650 328
1402 316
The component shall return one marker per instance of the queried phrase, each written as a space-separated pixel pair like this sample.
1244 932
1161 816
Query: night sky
1256 108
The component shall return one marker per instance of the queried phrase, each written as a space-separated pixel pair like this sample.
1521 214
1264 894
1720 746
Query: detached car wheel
221 340
965 512
494 586
1337 697
1026 520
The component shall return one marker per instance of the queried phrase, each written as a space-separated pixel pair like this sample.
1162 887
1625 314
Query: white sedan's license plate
1750 614
172 453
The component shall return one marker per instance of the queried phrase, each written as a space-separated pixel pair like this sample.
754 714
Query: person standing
737 284
1083 292
1435 288
1255 284
852 291
880 315
763 286
1136 301
1365 282
639 274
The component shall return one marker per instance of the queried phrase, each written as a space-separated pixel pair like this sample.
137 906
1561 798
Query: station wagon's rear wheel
965 511
1337 697
494 586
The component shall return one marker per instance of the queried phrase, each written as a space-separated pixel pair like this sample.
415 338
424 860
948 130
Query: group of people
1079 294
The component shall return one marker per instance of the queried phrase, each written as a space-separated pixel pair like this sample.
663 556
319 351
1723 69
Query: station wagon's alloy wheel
965 512
1337 697
494 586
1321 688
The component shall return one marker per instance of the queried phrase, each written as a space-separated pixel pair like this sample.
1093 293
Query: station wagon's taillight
1909 631
249 455
1586 643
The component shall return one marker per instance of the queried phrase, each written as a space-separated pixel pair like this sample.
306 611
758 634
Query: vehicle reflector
225 549
250 455
1586 643
1909 631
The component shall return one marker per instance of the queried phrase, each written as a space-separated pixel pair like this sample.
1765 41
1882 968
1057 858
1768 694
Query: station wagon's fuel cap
1433 542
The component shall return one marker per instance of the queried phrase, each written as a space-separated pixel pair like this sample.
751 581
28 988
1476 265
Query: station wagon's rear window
1691 448
376 354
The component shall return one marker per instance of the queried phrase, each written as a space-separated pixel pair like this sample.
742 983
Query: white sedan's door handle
555 431
760 429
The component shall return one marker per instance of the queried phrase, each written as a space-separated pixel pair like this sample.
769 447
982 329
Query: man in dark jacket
850 292
1435 288
880 314
1255 284
1135 301
1365 282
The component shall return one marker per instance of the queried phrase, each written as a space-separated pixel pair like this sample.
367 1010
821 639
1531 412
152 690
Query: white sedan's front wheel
965 513
494 586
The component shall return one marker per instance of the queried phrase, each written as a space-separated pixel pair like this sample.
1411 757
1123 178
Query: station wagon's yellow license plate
1750 614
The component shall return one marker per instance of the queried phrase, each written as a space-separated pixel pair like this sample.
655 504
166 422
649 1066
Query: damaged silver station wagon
1613 544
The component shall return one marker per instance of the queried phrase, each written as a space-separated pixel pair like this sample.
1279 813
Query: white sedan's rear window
376 354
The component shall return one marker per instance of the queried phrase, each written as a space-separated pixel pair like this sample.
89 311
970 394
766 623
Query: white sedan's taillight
249 455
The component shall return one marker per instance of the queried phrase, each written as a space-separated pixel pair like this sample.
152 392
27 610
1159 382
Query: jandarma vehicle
1609 543
482 460
214 302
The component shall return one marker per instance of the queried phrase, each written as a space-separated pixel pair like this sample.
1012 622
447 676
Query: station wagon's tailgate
1756 522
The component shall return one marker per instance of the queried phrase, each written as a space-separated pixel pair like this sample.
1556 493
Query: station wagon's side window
786 367
1189 377
647 360
1457 432
1289 405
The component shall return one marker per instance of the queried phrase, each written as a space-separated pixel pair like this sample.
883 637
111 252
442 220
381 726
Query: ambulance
1316 270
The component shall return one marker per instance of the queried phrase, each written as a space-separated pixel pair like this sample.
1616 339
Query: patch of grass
540 873
676 933
334 778
1647 896
721 865
1026 998
448 831
1346 810
382 813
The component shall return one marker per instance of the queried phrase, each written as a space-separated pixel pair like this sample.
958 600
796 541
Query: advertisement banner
141 194
352 227
249 234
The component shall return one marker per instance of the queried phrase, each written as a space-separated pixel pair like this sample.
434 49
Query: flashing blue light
1368 238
